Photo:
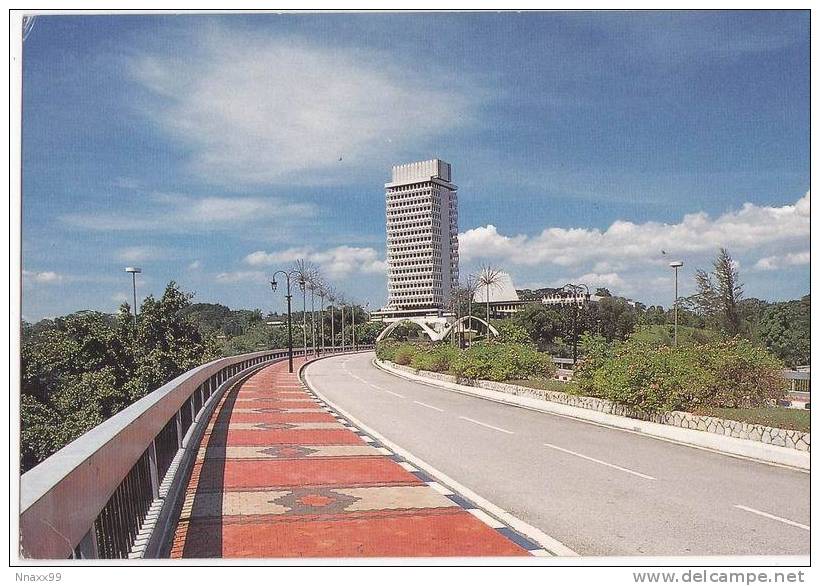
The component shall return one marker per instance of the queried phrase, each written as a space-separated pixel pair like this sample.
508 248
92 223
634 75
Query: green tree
719 293
512 332
83 368
542 324
785 329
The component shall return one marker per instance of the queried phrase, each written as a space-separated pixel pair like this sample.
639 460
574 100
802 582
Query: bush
727 373
502 361
437 358
404 354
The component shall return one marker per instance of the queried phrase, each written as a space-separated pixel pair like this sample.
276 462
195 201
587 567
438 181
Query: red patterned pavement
278 476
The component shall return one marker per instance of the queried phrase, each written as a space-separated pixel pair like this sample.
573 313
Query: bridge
240 458
236 458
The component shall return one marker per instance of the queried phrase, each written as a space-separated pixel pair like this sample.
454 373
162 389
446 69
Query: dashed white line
773 517
601 462
428 406
396 394
487 425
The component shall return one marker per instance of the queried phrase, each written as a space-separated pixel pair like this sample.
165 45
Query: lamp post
312 287
676 265
303 287
322 295
342 306
134 271
290 329
353 327
331 300
575 292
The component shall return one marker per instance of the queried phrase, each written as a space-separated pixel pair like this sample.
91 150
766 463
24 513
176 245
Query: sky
588 147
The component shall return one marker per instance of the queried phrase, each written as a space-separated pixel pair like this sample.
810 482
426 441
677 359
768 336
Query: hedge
488 361
725 373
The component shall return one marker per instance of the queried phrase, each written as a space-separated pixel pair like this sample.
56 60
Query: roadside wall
786 438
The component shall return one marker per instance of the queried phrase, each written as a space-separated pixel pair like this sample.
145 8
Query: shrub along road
598 490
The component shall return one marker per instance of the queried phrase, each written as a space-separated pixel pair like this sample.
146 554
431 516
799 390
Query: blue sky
207 149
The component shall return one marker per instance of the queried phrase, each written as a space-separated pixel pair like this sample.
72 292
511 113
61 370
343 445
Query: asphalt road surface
598 490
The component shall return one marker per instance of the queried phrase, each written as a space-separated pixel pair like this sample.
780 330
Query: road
598 490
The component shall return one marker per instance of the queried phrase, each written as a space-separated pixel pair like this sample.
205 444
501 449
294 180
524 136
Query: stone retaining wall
786 438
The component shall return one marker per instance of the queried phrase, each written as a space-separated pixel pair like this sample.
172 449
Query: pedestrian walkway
280 475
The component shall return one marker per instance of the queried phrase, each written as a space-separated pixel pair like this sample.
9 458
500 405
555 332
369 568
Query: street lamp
353 327
134 271
288 296
575 292
676 265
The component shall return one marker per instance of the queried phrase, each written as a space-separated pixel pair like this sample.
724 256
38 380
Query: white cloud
141 253
171 212
44 277
195 265
751 227
335 262
267 110
772 263
242 277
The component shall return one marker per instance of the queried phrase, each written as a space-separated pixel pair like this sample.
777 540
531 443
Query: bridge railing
93 497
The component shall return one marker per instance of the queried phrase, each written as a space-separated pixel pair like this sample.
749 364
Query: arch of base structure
466 318
431 333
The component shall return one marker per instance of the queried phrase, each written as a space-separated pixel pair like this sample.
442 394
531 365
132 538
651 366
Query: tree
512 332
85 367
542 324
785 329
490 278
719 293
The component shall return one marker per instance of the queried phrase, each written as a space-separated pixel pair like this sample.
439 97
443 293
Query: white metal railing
90 498
93 497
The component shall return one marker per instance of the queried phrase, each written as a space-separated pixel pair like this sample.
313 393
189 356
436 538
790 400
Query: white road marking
622 469
487 425
494 523
428 406
396 394
549 543
773 517
439 488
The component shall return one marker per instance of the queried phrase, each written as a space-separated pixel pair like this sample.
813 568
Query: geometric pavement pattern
279 474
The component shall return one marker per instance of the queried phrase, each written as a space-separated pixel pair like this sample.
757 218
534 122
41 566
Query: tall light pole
134 271
575 293
353 327
331 300
290 329
342 306
322 295
676 265
303 287
312 287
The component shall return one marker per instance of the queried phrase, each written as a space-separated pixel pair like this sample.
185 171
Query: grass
547 384
797 419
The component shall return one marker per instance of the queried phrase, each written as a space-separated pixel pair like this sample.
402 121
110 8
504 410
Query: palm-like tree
304 272
341 299
321 291
489 277
469 289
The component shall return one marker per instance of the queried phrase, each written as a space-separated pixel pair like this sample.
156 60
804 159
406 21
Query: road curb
736 447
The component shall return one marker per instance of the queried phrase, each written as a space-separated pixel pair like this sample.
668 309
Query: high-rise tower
422 236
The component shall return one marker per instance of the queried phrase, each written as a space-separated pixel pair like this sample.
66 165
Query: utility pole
676 265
